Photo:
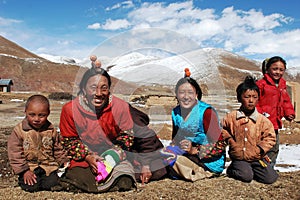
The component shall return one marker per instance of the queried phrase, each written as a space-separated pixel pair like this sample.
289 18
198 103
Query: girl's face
37 114
249 100
186 96
276 70
97 92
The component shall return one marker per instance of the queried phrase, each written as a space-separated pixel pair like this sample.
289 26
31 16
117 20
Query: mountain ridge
212 68
31 72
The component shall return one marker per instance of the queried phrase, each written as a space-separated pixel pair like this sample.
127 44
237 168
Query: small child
274 100
250 135
34 148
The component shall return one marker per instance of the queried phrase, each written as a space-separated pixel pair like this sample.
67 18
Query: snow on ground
288 159
289 155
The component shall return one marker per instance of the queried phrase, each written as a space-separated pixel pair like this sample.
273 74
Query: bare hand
145 174
29 178
92 161
186 145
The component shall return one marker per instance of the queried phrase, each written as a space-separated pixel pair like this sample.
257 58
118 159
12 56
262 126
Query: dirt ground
287 186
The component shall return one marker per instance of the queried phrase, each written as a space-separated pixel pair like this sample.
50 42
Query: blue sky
255 29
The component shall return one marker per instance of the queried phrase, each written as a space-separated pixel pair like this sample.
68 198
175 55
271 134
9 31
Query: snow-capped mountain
208 66
214 69
60 59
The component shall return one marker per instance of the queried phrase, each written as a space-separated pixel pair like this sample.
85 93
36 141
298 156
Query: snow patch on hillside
60 59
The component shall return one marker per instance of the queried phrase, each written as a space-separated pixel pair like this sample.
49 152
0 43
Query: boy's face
37 114
249 100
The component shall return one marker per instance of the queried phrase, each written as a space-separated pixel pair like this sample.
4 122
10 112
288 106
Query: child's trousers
274 151
43 182
248 171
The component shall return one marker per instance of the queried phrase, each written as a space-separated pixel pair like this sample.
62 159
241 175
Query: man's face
97 91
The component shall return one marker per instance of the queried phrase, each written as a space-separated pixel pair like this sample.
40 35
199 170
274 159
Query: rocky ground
287 186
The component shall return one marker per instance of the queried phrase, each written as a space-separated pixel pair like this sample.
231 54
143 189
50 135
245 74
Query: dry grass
287 186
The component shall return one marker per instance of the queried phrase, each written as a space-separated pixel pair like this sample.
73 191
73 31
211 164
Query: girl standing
274 100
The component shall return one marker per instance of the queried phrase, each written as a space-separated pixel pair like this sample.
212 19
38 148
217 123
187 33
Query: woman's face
97 91
186 96
276 70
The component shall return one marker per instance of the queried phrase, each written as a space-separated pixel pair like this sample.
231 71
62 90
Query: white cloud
8 22
250 33
254 20
115 24
94 26
67 48
64 42
247 32
286 43
110 25
258 21
204 24
146 39
124 4
158 13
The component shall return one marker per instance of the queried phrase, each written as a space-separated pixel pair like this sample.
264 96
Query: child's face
186 95
37 114
276 70
249 100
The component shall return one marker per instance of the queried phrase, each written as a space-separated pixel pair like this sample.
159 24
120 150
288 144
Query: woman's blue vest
192 129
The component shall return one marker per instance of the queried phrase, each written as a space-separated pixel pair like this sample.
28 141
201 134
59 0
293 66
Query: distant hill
214 69
30 72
